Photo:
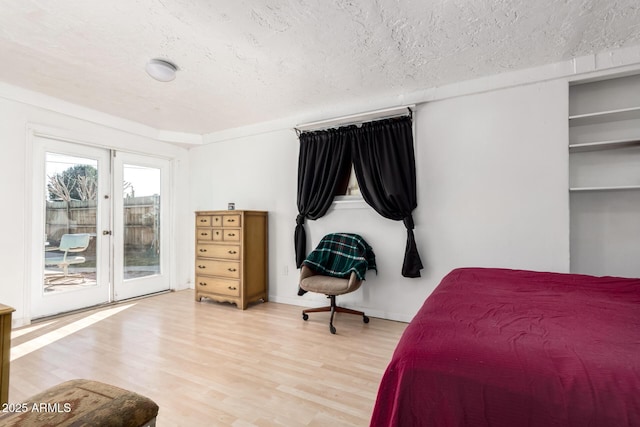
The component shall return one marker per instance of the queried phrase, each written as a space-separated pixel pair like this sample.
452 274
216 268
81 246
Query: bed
514 348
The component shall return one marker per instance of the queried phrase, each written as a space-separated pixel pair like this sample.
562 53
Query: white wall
15 117
494 179
492 191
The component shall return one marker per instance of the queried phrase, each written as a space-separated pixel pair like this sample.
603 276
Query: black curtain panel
384 163
325 158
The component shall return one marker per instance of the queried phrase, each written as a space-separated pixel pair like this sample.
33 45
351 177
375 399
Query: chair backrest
340 254
74 242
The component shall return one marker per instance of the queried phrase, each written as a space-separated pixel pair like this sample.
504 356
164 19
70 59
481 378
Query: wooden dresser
5 348
231 256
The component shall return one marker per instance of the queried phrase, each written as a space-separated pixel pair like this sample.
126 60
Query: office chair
337 266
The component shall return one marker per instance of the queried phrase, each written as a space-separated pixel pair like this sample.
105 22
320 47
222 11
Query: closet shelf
604 145
605 116
604 188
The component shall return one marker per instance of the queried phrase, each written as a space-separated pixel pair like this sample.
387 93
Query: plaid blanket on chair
339 254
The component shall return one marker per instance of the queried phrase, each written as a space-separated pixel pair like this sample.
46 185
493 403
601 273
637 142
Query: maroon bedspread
495 347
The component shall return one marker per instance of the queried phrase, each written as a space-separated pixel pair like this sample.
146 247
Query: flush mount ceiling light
161 70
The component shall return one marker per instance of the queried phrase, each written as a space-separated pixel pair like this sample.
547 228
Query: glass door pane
141 200
70 227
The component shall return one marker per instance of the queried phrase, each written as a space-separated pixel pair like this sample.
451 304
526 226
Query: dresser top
230 212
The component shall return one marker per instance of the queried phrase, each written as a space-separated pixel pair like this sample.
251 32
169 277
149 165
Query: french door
99 226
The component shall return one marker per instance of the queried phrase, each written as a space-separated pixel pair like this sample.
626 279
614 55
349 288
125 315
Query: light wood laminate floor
210 364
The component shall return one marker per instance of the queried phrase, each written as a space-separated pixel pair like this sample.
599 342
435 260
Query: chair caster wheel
305 316
332 329
365 319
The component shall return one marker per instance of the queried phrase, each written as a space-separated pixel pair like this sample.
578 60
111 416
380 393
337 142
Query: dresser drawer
218 268
218 286
211 250
203 234
232 235
216 234
203 221
231 220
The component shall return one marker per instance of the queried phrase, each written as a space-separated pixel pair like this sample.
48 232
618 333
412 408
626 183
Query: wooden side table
5 348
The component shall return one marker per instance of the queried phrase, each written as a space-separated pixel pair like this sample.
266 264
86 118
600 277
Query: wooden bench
82 403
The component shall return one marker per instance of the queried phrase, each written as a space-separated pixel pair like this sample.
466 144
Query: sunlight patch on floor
23 331
53 336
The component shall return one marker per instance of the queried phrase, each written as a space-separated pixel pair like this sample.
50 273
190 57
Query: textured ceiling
249 61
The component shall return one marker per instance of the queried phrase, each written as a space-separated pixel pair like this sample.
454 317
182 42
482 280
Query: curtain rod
386 113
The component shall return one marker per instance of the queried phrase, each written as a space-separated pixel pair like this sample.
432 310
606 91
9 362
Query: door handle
106 232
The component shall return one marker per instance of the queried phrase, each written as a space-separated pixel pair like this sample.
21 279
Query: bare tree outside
58 188
79 182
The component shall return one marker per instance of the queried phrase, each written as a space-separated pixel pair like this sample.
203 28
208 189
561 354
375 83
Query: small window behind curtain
348 184
353 188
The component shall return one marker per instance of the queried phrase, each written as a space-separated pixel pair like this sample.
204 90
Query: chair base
333 308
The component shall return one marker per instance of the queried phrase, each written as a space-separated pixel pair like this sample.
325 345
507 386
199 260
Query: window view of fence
141 232
141 236
141 194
